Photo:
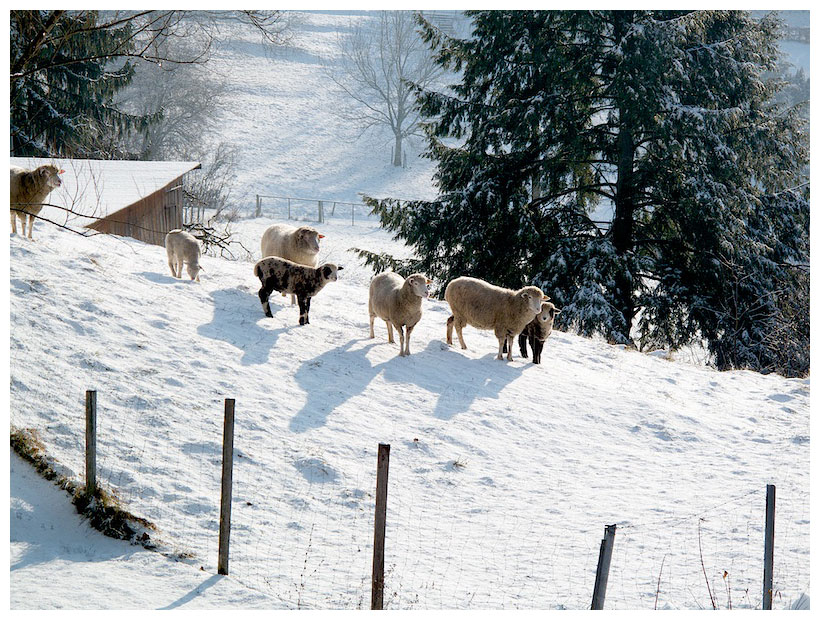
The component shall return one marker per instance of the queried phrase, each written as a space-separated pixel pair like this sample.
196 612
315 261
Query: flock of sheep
289 266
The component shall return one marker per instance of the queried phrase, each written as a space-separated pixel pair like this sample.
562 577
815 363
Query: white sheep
28 191
182 247
398 302
485 306
300 245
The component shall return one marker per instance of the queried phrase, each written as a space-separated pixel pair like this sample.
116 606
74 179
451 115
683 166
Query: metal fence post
227 484
602 574
768 553
90 442
382 467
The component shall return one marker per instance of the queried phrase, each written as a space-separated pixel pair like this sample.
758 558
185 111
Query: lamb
485 306
537 331
398 302
28 189
285 276
300 245
182 247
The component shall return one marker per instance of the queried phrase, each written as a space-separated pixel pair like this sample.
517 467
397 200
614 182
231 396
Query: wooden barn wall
149 219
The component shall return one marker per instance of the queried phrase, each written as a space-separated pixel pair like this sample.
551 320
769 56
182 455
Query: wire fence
304 534
313 209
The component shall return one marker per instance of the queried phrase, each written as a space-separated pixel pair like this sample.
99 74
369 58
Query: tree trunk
397 151
623 223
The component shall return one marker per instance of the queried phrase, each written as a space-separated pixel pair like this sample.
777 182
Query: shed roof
96 188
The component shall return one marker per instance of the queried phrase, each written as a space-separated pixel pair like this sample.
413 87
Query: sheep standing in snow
285 276
182 247
485 306
398 302
28 189
537 331
300 245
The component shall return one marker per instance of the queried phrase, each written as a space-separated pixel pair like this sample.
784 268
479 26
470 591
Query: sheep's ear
339 268
326 271
321 236
558 311
525 295
429 281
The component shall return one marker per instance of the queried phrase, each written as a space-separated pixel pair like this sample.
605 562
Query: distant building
139 199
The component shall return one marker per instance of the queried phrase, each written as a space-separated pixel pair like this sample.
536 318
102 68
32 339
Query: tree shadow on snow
236 320
334 377
161 278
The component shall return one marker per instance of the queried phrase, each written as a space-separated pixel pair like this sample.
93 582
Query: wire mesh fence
305 534
313 209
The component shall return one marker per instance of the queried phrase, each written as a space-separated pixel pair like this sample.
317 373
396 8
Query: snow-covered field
502 475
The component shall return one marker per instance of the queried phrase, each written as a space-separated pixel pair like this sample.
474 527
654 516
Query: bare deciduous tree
379 62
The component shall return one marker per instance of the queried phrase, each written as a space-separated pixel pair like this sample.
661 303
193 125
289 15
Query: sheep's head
419 284
309 238
533 297
547 316
49 176
329 271
193 271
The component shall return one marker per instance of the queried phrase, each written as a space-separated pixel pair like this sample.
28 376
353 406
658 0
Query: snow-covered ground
502 478
502 475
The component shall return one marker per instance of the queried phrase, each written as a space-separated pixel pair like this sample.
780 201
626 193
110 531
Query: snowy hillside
502 476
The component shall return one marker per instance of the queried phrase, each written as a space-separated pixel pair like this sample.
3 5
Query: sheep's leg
172 265
372 320
264 294
401 339
522 344
450 321
30 225
389 331
14 222
407 340
303 309
537 346
307 310
459 326
292 298
501 343
509 340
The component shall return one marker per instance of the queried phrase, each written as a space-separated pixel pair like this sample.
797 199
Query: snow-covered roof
95 188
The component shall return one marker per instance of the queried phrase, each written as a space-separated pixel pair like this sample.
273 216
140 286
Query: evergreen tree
632 163
63 81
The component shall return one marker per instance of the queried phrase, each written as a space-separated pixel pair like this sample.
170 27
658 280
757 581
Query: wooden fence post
321 212
768 553
602 574
258 205
90 442
382 467
227 484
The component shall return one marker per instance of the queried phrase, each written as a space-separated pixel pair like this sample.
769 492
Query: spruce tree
630 163
63 82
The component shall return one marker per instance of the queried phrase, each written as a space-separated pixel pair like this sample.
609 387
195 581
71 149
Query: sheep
28 189
300 245
485 306
398 302
537 331
285 276
182 247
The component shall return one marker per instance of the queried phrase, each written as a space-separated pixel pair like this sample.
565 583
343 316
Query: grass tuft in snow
103 509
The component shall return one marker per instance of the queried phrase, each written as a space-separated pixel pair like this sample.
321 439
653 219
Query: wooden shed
139 199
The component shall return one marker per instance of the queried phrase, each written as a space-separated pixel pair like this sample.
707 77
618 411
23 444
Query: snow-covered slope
502 476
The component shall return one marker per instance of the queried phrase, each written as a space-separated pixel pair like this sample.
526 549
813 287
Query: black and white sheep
28 191
285 276
537 331
300 245
182 247
486 306
397 301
